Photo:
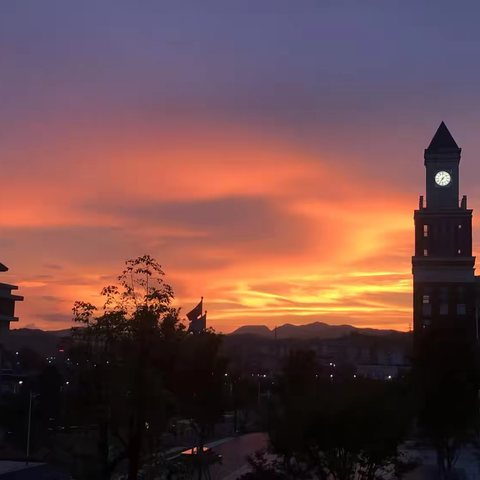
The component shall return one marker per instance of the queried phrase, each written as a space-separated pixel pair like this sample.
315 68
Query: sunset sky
268 153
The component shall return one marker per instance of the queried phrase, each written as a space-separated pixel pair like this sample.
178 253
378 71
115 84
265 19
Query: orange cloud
264 229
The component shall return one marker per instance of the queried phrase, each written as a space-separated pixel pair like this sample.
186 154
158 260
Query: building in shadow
7 311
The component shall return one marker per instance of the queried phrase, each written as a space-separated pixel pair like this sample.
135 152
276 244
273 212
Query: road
234 452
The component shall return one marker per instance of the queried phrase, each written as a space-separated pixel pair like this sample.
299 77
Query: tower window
427 309
461 309
425 252
425 230
444 309
426 299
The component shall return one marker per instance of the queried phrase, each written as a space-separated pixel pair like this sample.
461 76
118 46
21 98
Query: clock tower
443 265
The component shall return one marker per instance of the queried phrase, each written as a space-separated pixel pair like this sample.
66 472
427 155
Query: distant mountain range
46 343
310 331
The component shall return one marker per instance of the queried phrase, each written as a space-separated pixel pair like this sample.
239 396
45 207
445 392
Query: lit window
444 309
425 253
427 309
461 309
426 299
425 230
459 251
459 226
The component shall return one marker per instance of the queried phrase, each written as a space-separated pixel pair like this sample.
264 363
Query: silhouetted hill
46 343
42 342
312 330
253 330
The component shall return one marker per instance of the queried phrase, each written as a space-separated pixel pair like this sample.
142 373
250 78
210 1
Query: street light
32 396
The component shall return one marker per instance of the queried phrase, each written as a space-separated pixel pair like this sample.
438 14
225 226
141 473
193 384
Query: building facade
444 287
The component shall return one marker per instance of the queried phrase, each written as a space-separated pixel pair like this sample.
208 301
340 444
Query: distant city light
354 376
16 353
61 350
226 374
331 376
264 376
67 383
389 377
20 382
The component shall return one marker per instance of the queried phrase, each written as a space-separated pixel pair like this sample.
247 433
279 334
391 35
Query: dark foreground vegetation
131 385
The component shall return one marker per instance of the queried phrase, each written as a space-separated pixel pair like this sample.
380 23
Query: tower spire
442 140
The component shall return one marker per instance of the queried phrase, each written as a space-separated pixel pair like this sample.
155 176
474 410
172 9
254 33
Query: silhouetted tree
123 358
30 361
243 398
201 383
324 429
447 393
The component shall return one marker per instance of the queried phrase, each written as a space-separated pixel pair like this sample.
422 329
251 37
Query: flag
196 312
198 325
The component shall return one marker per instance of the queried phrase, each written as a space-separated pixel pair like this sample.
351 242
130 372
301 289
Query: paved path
234 455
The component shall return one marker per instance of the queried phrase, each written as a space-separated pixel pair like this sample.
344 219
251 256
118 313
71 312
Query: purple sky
357 87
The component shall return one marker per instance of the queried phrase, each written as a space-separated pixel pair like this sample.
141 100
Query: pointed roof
3 268
442 140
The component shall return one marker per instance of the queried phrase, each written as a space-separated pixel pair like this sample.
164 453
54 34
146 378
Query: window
426 299
425 230
459 226
427 309
426 322
425 253
461 309
459 251
444 309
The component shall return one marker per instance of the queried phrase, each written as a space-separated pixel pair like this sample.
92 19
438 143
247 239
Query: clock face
443 178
